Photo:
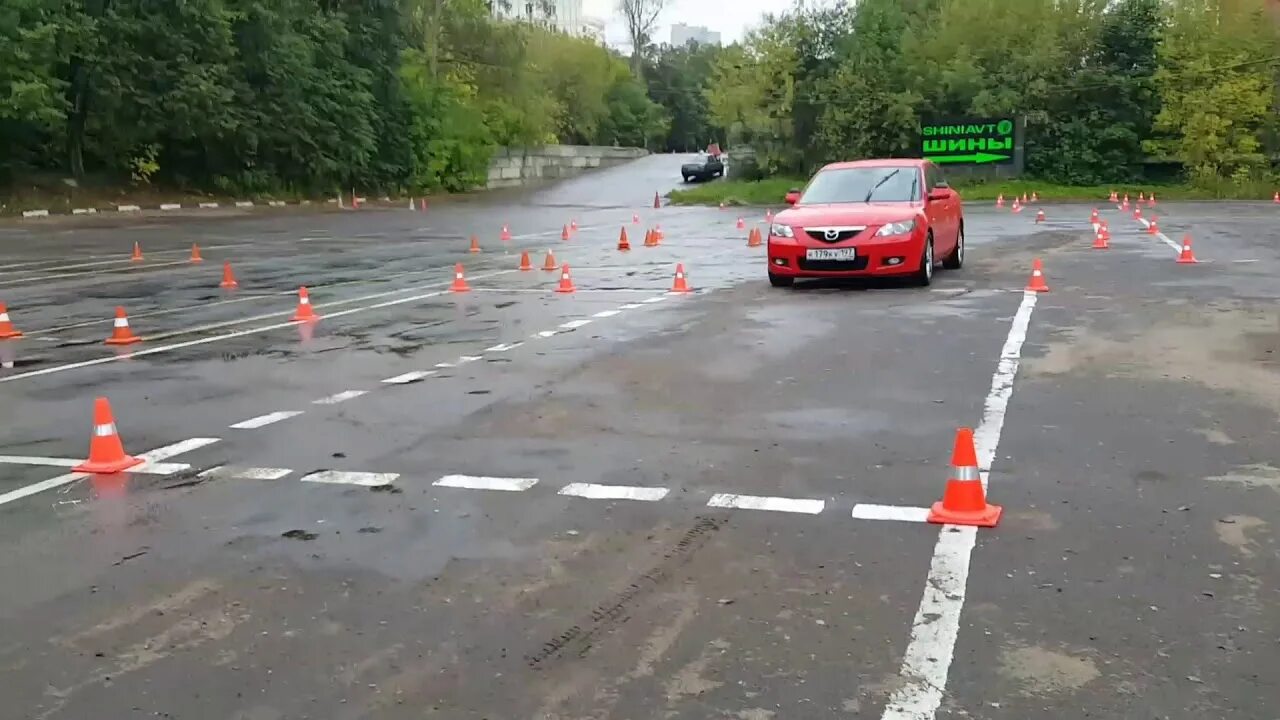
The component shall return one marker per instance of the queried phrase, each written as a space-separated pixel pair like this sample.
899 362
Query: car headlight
896 228
784 231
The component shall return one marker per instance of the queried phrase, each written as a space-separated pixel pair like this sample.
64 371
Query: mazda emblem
831 234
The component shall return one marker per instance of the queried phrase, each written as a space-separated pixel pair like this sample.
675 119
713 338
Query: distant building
682 34
593 29
563 15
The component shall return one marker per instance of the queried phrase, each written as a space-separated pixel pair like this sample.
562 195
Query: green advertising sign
967 142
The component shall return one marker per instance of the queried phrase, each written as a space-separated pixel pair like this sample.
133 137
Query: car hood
847 214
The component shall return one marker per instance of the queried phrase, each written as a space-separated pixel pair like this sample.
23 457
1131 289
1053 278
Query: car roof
886 162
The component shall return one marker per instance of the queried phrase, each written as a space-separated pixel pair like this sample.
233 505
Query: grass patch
772 190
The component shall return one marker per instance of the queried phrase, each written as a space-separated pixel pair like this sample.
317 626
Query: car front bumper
887 257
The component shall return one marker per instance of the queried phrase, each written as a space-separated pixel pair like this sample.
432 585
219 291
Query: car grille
841 234
833 265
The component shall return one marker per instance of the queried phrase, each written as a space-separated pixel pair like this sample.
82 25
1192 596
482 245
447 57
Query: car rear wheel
687 178
956 259
924 276
781 280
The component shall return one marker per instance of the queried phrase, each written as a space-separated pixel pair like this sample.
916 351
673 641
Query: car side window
939 180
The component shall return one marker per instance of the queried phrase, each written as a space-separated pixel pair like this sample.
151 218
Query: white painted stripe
547 333
468 359
179 448
134 269
606 313
927 660
222 471
156 468
775 504
409 377
339 477
867 511
343 396
650 301
630 306
574 324
445 365
264 420
35 460
614 492
480 482
40 487
503 347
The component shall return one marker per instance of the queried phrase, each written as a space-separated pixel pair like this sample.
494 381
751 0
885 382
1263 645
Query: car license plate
846 254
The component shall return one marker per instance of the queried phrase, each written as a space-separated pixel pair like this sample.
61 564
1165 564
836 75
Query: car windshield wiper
876 187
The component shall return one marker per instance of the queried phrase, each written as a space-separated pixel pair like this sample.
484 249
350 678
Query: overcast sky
731 18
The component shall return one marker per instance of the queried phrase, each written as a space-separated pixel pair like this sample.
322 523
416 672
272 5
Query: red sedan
870 218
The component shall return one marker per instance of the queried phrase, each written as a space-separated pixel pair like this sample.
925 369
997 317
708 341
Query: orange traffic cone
459 282
7 330
106 451
1152 227
1093 217
649 238
680 285
475 245
121 334
1137 212
304 313
564 234
573 226
657 235
635 219
741 224
1100 240
566 282
1186 257
1141 197
1114 197
657 202
768 216
1017 208
964 502
1037 283
195 254
550 263
1276 198
228 278
506 235
1000 200
137 253
1035 197
1124 205
623 244
754 239
1039 216
1151 202
525 265
1024 198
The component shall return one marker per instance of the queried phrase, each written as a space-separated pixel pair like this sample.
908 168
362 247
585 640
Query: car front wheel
924 276
956 259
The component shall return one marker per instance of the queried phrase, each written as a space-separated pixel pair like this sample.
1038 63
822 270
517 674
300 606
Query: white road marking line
40 487
132 268
775 504
265 420
480 482
1161 236
35 460
231 335
339 477
606 313
503 347
658 299
223 471
869 511
409 377
178 448
343 396
614 492
167 311
574 324
468 359
445 365
927 659
546 333
630 306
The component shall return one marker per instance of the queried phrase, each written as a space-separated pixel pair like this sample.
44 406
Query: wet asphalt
1134 573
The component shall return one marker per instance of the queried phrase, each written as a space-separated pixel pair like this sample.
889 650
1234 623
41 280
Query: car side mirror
793 197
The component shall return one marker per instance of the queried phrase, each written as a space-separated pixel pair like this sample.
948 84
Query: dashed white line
650 301
480 482
774 504
339 477
630 306
223 471
409 377
869 511
574 324
446 365
468 359
178 448
927 660
264 420
503 347
614 492
606 313
546 333
343 396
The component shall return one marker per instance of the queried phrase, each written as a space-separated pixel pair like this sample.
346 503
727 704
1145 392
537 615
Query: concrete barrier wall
519 166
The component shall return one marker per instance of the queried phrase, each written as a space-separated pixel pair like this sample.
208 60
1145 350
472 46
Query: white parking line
574 324
40 487
614 492
264 420
409 377
927 660
178 448
223 471
774 504
364 479
503 347
869 511
480 482
343 396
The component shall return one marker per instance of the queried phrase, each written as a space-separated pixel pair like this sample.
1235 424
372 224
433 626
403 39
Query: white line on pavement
479 482
343 396
264 420
630 306
139 267
614 492
40 487
503 347
223 471
574 324
869 511
178 448
658 299
927 660
775 504
546 333
606 313
409 377
338 477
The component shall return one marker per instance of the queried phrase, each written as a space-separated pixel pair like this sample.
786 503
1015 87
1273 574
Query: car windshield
863 184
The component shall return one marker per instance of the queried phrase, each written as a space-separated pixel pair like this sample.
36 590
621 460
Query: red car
870 218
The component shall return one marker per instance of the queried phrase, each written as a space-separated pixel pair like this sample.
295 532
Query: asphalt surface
1127 419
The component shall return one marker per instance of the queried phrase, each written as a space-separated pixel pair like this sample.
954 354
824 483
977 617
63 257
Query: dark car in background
705 167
